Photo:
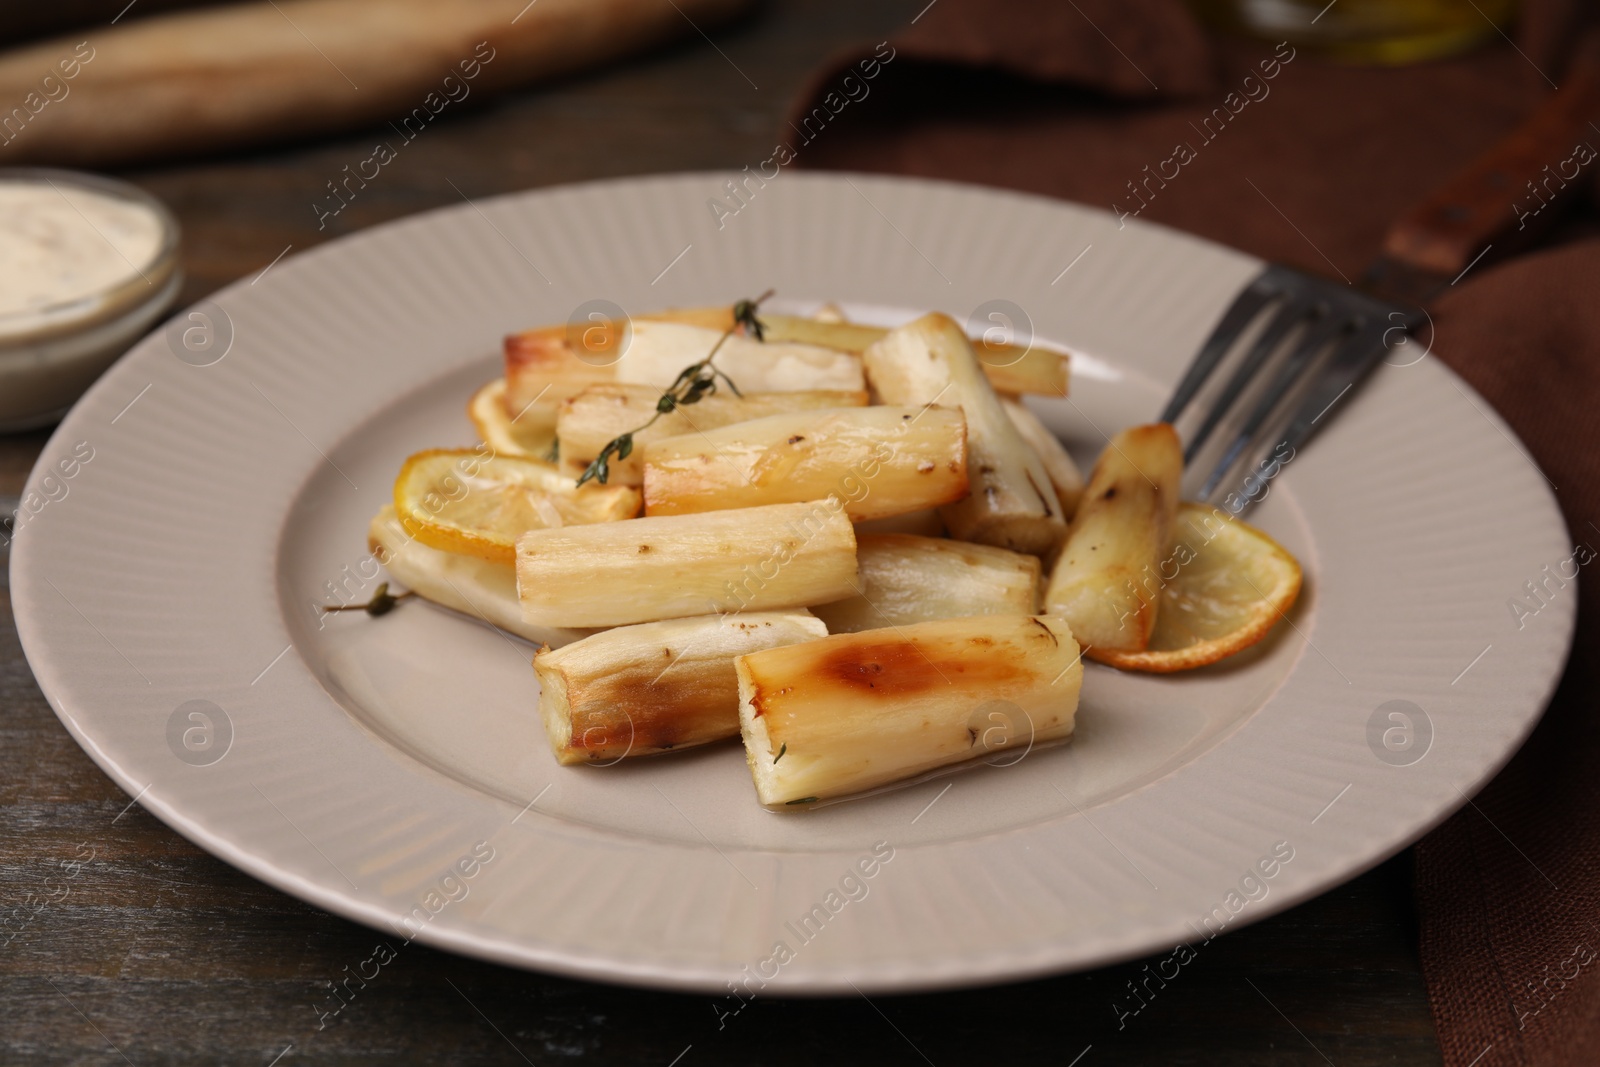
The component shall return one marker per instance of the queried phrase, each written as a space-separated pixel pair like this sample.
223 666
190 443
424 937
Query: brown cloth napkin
1075 100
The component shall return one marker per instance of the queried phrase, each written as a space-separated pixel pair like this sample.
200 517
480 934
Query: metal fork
1318 340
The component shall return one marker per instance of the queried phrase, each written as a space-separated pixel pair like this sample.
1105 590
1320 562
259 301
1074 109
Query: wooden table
158 952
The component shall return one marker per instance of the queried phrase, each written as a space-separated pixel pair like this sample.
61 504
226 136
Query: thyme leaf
744 314
382 602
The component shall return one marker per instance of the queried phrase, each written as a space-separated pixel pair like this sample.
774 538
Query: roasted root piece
674 566
1009 368
907 579
1104 582
467 584
637 690
1065 477
878 461
1222 585
1011 503
602 413
659 350
549 365
854 711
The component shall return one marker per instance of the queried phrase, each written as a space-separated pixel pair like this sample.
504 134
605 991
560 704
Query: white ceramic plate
366 765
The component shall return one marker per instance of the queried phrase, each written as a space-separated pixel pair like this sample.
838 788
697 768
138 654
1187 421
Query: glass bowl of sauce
87 265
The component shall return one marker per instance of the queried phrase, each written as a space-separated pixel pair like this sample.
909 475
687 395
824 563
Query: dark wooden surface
122 942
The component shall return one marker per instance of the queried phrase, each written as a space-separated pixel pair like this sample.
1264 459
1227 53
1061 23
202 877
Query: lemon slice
1223 585
529 432
478 502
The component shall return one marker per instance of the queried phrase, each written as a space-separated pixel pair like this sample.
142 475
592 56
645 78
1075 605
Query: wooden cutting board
207 80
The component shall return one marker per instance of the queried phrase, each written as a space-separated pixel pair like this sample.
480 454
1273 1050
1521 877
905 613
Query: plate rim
32 627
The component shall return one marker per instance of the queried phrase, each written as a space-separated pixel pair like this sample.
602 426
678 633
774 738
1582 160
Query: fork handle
1513 192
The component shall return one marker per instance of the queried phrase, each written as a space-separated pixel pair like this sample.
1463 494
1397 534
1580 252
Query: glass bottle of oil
1366 31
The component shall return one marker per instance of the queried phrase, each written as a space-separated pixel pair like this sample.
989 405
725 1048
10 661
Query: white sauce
67 309
60 243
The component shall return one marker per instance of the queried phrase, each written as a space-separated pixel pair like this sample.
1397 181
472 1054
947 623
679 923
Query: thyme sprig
693 383
382 602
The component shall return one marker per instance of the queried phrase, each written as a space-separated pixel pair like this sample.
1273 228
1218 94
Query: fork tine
1324 330
1355 322
1350 361
1266 286
1291 312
